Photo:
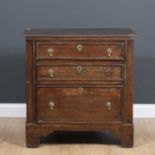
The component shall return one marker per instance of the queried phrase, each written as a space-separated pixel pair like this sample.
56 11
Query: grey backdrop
17 14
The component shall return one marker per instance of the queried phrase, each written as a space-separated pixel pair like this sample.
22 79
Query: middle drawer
48 72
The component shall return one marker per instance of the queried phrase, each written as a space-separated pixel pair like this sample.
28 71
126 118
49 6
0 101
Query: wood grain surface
79 80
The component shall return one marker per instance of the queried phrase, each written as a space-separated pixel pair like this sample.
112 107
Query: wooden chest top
111 32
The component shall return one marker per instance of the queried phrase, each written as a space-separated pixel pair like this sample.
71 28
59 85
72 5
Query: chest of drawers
79 80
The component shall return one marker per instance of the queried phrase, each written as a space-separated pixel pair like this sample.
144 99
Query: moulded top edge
80 32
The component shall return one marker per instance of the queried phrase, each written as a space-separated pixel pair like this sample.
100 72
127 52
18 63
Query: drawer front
78 104
80 71
101 50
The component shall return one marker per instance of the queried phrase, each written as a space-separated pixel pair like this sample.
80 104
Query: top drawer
81 50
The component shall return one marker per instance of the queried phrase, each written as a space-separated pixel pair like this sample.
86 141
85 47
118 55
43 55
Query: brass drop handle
79 47
108 105
109 51
51 72
79 68
50 52
51 105
80 90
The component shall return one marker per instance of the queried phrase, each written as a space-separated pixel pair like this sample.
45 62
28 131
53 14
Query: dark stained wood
76 105
80 96
80 32
92 50
29 82
89 71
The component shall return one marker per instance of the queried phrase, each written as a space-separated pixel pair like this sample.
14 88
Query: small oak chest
79 80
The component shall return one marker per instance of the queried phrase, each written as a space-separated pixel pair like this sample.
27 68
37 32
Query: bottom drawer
62 104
